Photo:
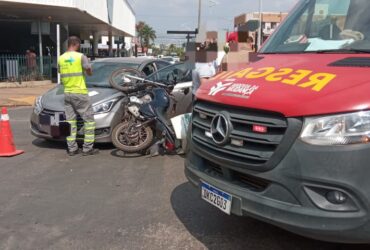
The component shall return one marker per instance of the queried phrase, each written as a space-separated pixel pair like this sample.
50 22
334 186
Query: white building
89 19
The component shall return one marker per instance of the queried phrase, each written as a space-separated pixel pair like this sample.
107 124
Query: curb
31 84
15 104
22 95
27 101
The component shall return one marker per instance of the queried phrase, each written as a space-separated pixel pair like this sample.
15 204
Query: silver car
48 118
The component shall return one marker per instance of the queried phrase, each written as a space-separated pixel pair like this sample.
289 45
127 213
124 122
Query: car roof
135 60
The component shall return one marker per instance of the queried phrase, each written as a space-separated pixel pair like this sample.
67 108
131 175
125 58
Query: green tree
145 33
149 35
139 27
172 48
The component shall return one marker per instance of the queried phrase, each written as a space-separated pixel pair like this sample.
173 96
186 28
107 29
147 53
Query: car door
181 95
162 64
151 67
183 91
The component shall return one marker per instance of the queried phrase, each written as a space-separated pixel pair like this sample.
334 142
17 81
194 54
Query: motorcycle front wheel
119 80
130 139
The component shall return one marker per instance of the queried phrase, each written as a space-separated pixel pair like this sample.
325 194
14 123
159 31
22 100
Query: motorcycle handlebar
146 83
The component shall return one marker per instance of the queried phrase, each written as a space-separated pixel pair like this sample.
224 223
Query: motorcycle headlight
134 99
104 107
344 129
38 105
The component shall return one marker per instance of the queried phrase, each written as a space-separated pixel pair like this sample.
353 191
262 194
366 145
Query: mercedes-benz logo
220 129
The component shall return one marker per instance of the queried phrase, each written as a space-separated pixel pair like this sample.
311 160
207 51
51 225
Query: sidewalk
15 97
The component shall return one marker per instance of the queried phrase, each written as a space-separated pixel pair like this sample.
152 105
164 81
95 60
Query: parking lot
51 201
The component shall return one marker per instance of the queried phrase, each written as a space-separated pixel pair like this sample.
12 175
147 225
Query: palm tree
139 27
172 49
145 33
149 35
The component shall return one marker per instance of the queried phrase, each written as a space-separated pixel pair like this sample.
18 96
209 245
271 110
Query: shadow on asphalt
120 154
42 143
220 231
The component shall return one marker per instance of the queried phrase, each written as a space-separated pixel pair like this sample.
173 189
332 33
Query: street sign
253 25
45 28
63 33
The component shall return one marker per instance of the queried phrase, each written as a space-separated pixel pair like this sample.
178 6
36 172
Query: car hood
295 85
54 98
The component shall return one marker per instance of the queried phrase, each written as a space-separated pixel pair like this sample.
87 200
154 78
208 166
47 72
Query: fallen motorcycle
149 105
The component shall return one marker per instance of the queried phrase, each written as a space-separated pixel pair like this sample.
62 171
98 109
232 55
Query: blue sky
165 15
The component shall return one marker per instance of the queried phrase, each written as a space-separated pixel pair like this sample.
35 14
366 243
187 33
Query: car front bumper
103 127
293 195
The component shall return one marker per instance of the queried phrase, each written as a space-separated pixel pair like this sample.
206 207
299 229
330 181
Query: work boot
73 153
92 151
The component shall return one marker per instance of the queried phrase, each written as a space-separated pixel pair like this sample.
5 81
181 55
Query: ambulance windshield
335 26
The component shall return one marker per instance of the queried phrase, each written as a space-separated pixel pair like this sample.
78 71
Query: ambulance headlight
344 129
104 107
38 105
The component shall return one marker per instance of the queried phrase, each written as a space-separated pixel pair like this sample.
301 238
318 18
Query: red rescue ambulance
287 139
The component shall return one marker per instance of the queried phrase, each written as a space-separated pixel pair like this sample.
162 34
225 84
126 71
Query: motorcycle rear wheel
132 140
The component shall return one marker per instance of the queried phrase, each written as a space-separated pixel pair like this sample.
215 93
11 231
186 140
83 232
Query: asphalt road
51 201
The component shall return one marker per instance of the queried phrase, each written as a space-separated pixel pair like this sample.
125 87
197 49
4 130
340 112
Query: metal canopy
76 19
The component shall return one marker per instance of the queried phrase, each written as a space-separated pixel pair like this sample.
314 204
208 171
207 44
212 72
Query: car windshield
102 72
319 26
177 73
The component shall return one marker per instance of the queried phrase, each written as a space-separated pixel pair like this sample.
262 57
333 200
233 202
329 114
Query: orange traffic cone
7 147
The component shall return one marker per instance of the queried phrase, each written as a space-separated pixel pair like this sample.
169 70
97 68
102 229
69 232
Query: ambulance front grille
245 148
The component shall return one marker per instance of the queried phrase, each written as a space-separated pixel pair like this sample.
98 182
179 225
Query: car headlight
38 105
344 129
104 107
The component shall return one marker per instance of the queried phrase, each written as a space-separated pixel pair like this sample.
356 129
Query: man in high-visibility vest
72 66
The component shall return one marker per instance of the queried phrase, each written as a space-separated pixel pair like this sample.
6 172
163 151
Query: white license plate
216 197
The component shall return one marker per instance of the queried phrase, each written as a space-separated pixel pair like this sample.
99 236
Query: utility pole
58 49
259 43
199 14
40 49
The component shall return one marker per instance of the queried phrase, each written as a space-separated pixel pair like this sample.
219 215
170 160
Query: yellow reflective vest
72 73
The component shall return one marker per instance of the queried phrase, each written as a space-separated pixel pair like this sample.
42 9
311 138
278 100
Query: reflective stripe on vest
70 67
71 75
